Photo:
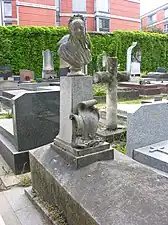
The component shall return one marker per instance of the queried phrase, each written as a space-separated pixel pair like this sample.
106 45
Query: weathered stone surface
79 158
147 125
73 91
119 191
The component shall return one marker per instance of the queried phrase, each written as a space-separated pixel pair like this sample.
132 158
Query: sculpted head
77 26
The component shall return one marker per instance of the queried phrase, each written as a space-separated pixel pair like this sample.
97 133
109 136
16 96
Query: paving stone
29 216
22 212
7 212
13 195
10 180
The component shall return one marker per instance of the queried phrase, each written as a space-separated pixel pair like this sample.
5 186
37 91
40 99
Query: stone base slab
120 191
82 157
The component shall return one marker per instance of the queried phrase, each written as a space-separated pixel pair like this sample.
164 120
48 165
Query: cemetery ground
15 208
12 195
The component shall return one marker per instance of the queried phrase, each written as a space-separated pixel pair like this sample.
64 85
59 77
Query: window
166 28
79 5
8 23
7 9
102 6
152 19
104 25
166 13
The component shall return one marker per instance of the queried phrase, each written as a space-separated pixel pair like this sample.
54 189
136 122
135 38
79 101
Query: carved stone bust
74 49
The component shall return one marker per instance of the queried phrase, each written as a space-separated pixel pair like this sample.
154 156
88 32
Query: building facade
100 15
156 18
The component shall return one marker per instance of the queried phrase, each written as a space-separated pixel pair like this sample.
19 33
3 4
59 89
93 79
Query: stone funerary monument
76 172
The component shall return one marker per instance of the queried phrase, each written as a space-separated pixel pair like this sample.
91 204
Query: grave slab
155 155
120 191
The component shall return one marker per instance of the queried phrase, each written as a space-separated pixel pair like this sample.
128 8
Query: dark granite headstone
36 118
35 123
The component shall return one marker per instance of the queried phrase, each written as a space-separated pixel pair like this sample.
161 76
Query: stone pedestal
74 90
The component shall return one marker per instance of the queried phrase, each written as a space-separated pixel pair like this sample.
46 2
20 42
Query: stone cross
109 78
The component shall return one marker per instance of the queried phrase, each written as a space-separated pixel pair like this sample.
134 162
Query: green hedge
25 45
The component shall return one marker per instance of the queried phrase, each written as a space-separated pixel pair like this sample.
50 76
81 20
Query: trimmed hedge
27 44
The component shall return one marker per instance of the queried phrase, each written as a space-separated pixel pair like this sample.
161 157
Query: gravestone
26 75
48 65
129 56
136 64
133 62
147 135
35 123
147 125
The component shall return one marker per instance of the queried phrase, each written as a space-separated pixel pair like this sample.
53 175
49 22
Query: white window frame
152 19
4 5
166 28
78 3
101 29
166 13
